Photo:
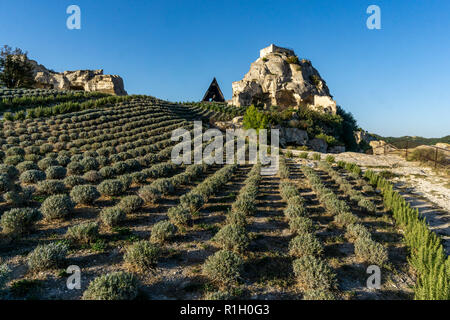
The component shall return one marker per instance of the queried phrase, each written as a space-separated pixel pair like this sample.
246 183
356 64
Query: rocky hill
279 78
87 80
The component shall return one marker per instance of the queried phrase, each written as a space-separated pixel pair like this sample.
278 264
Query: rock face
363 136
87 80
278 78
380 147
293 135
318 145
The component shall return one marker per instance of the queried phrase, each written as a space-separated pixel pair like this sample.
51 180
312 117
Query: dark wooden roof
214 93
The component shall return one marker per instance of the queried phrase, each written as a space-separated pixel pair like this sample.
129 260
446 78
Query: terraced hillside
91 184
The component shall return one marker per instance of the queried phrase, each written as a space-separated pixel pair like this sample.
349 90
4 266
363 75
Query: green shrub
84 194
89 163
142 255
236 218
92 176
330 159
47 256
75 168
45 163
162 231
254 119
113 216
294 210
163 185
301 225
219 295
13 160
245 204
345 218
15 151
51 187
318 294
18 221
72 181
4 275
316 156
288 190
179 216
224 267
232 237
13 198
312 273
356 230
57 207
370 251
55 172
107 172
5 183
292 60
192 201
9 170
32 176
149 194
305 244
126 181
110 188
303 155
368 205
130 204
83 233
27 165
112 286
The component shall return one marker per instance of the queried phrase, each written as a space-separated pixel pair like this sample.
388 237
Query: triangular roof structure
214 94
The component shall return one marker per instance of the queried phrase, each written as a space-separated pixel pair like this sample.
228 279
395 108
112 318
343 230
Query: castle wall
273 48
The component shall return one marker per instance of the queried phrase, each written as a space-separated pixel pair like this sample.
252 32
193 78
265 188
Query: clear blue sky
395 81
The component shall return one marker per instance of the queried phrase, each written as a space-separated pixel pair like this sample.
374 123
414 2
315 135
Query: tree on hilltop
16 71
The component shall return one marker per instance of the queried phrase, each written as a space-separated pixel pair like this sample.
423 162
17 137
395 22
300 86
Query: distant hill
400 142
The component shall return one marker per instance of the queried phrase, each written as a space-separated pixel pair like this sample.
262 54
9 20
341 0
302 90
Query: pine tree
16 71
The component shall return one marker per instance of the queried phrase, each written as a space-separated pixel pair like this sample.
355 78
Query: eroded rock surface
279 78
87 80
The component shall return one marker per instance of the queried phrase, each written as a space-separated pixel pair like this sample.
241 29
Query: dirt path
269 268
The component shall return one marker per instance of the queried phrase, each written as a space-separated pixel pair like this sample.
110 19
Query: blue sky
395 81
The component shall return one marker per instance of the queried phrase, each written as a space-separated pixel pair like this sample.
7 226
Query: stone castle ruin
279 78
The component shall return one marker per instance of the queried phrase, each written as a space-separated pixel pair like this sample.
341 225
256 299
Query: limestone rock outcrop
293 136
318 145
363 136
279 78
380 147
87 80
